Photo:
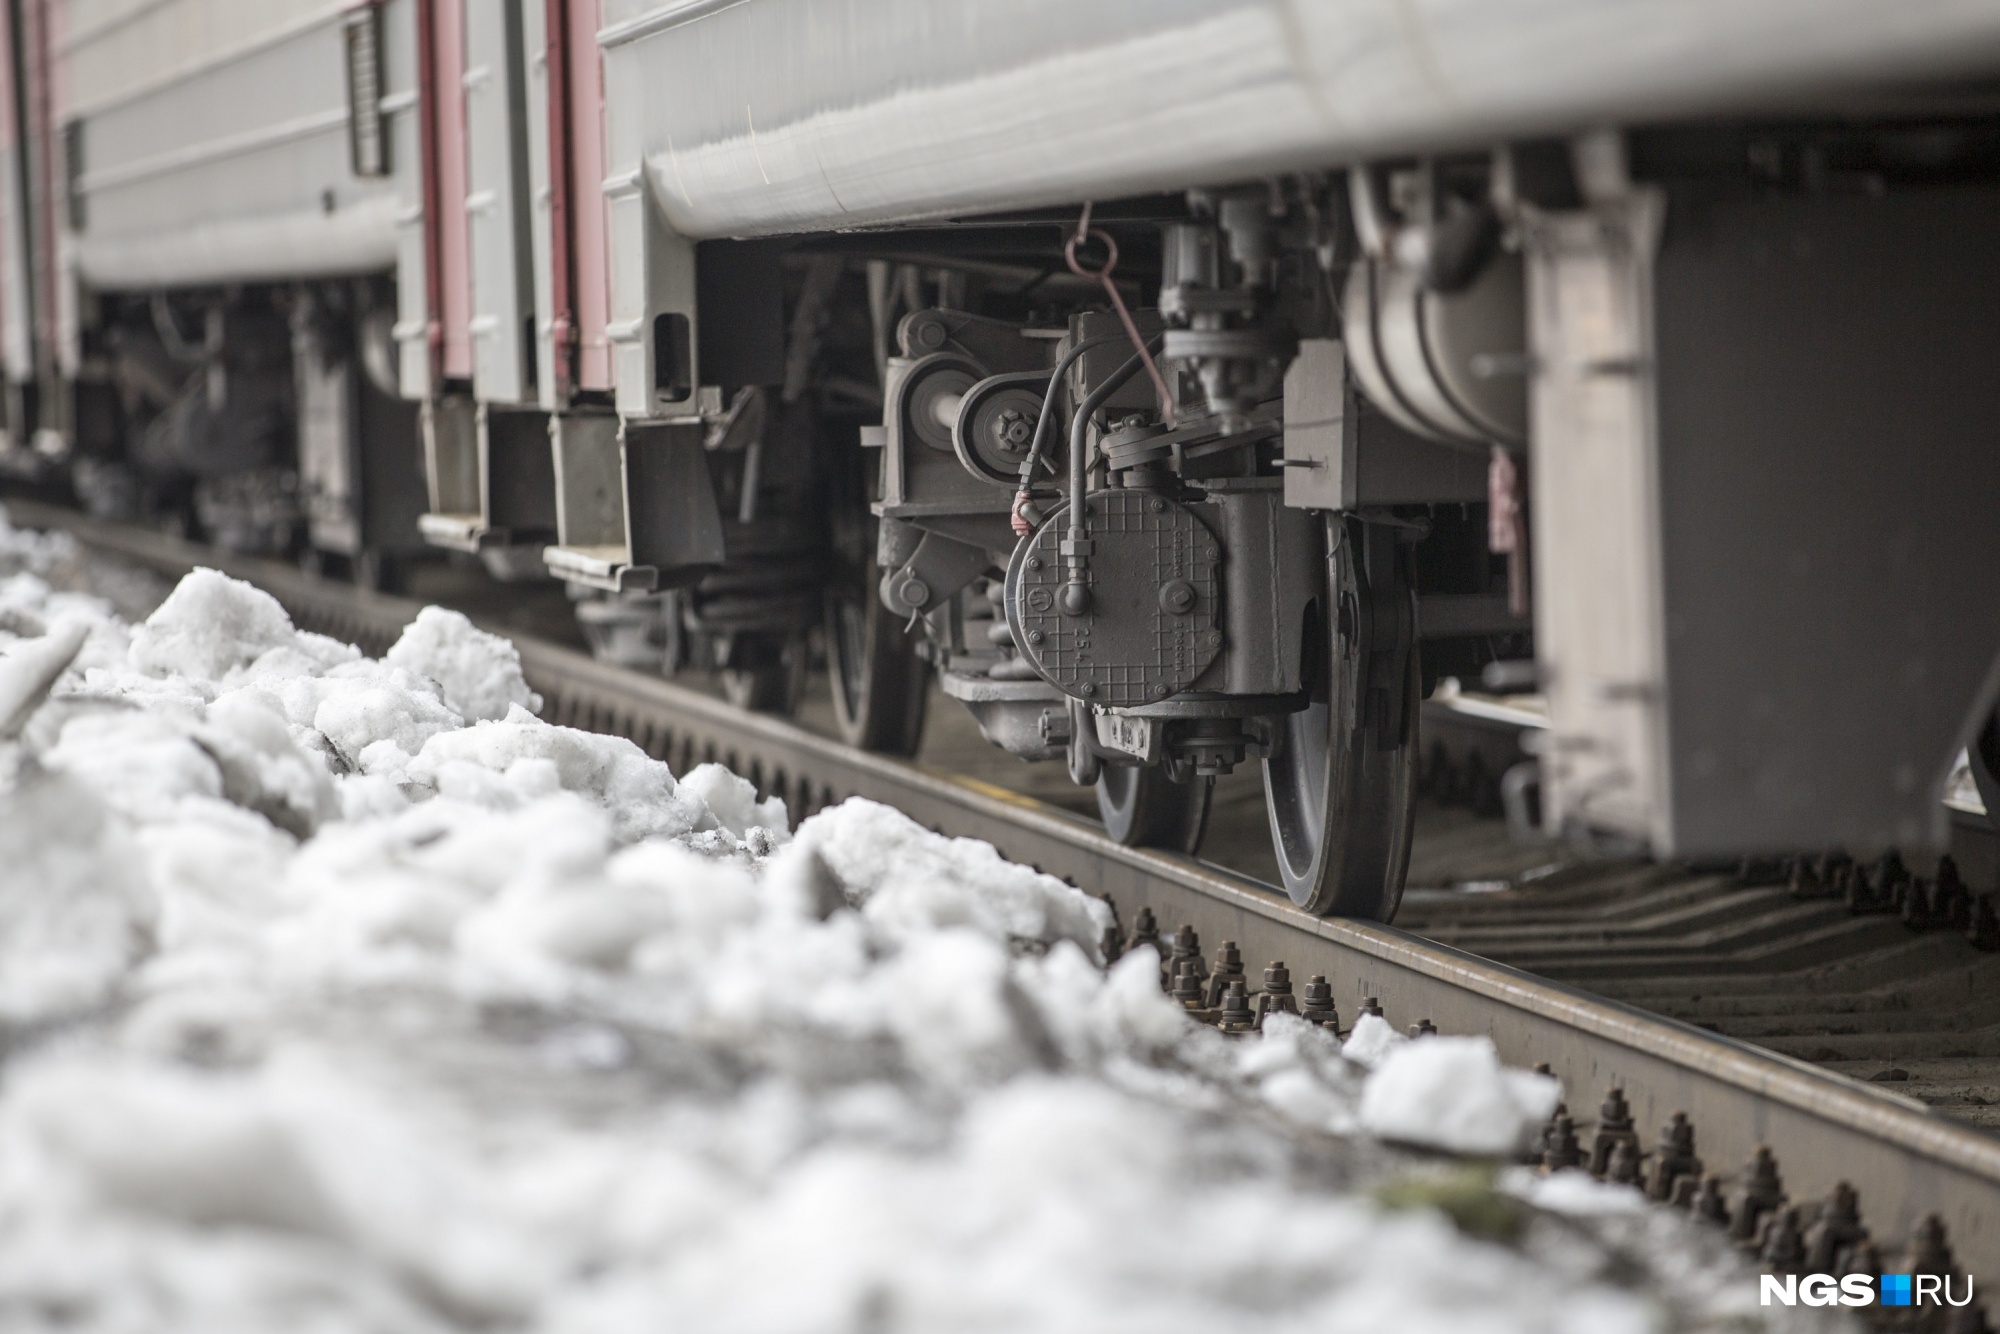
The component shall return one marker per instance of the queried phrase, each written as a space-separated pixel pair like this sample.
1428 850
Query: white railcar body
210 141
767 116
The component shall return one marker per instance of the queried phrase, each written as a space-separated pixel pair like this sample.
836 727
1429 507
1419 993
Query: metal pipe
1076 595
1023 518
1049 404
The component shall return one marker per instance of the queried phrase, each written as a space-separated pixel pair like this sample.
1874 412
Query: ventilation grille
367 135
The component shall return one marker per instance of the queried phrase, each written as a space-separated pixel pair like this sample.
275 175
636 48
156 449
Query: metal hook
1084 232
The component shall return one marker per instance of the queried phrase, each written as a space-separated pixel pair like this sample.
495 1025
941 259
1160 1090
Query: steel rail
1905 1160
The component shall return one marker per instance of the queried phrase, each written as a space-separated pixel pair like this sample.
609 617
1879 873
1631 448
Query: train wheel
879 684
1340 788
1143 808
772 681
1984 753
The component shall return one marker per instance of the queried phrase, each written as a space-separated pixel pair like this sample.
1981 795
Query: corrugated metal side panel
238 167
452 241
548 223
589 220
566 163
264 135
118 49
764 116
496 204
402 65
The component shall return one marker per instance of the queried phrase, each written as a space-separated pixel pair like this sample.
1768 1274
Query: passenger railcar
1180 386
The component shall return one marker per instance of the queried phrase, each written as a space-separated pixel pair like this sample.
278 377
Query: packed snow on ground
347 995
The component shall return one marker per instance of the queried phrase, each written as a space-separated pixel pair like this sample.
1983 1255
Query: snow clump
1452 1093
346 994
479 673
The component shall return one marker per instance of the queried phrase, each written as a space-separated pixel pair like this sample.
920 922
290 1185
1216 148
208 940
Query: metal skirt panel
768 116
360 239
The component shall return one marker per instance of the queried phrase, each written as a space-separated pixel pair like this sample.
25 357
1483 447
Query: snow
75 914
212 625
32 668
733 800
480 673
347 995
1452 1093
1371 1040
908 880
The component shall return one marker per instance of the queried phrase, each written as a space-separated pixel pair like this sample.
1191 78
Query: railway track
1692 994
1883 971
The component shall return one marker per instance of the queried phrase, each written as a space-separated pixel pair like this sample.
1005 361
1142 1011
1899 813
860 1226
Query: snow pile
1371 1040
215 741
481 675
344 994
23 550
213 626
910 881
1453 1094
74 913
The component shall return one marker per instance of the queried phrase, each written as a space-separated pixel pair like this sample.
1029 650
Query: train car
466 297
509 333
216 195
1178 386
1434 317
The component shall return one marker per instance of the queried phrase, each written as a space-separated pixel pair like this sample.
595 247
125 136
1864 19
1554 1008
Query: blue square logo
1895 1290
